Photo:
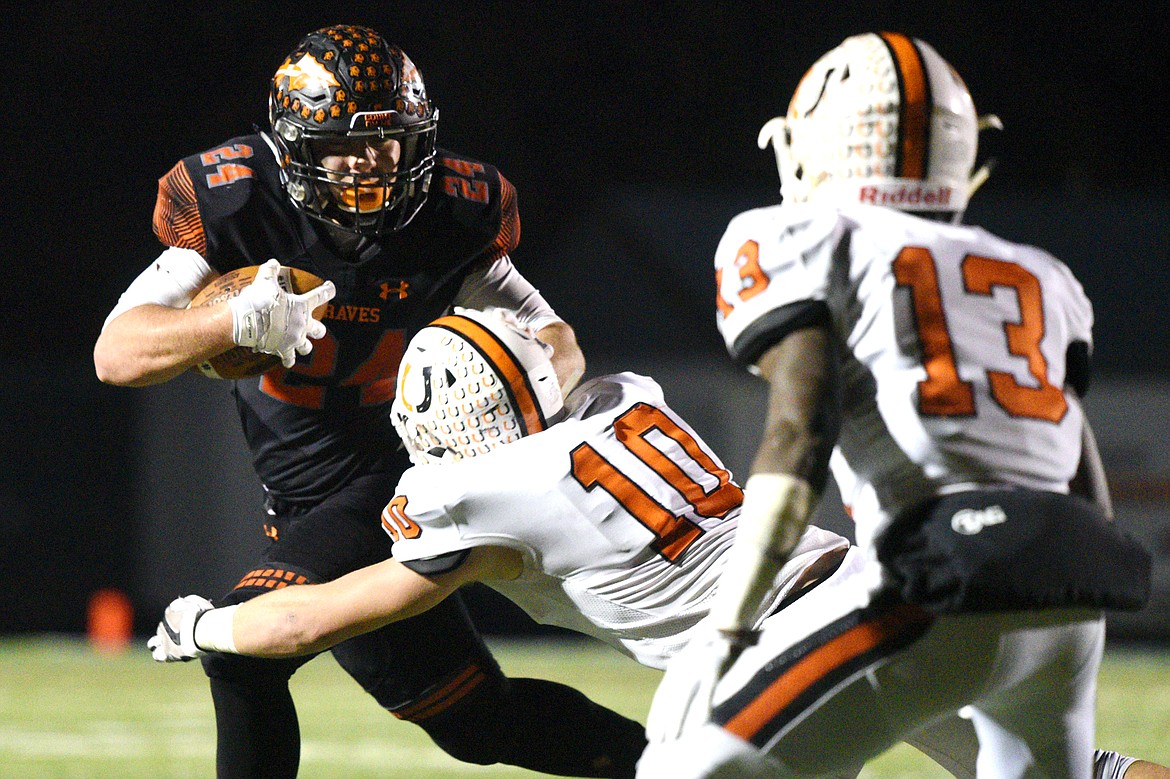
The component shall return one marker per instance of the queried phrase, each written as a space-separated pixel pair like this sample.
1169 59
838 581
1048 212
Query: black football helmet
348 83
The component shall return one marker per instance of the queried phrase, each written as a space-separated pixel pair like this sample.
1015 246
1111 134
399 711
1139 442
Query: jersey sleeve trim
1078 367
508 237
443 563
176 212
770 329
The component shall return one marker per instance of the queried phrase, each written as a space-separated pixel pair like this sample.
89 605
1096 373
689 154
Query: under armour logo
401 289
971 521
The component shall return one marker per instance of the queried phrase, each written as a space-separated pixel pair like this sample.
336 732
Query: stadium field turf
69 711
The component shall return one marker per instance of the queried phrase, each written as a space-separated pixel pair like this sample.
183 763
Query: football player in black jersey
350 186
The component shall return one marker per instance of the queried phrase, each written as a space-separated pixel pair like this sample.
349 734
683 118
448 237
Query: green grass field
66 711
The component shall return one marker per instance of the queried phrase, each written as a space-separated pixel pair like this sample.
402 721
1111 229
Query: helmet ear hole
287 130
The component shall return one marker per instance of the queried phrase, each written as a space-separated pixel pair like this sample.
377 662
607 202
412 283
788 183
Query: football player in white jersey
938 368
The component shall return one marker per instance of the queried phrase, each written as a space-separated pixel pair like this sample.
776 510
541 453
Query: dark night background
629 131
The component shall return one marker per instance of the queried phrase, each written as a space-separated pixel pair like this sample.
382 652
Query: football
241 362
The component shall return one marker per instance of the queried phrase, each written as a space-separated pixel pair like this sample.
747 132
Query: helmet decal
470 382
497 354
305 75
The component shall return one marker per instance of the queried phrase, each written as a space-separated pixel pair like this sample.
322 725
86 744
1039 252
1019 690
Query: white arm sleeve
500 285
171 281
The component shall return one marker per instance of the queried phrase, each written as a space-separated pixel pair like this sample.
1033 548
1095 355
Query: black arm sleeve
431 566
1078 367
767 331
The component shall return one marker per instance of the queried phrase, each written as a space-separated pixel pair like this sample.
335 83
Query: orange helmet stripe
505 364
915 106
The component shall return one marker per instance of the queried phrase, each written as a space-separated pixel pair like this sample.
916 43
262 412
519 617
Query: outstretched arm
310 618
305 619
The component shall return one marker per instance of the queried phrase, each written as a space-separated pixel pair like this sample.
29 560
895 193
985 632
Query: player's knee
253 671
708 752
473 727
470 738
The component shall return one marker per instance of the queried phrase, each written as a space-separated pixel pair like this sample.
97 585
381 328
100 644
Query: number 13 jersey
956 346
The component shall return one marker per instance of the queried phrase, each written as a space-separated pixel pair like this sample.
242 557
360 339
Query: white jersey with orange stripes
621 512
953 345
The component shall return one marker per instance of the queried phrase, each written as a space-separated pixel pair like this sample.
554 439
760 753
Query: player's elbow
109 369
295 632
112 370
121 367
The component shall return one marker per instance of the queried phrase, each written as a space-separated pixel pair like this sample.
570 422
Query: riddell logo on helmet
906 196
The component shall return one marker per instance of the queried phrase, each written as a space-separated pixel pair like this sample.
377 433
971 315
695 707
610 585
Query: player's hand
270 320
175 638
684 698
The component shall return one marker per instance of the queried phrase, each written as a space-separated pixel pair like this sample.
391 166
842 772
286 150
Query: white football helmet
470 382
881 119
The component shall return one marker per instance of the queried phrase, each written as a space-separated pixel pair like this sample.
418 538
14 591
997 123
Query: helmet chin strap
986 122
769 131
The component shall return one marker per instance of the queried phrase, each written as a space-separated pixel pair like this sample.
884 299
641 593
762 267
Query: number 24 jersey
956 345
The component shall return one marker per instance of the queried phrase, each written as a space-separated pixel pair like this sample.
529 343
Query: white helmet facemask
470 382
882 120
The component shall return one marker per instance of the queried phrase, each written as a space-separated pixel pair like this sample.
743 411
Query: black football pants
433 669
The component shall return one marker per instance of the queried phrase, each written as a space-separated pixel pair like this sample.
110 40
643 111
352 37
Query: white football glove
272 321
174 640
683 700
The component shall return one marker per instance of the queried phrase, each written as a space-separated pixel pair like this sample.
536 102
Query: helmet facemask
347 85
471 382
881 119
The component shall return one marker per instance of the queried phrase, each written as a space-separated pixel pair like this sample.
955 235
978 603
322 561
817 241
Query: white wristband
775 512
775 509
213 631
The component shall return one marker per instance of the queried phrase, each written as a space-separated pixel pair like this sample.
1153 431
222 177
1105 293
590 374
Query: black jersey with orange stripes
315 426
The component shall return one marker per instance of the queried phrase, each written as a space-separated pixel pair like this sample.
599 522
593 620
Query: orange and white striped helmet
881 119
470 382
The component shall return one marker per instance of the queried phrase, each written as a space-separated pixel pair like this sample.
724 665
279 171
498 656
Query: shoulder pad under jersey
479 196
226 203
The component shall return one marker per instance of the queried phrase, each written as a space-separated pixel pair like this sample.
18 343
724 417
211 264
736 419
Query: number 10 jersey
622 515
